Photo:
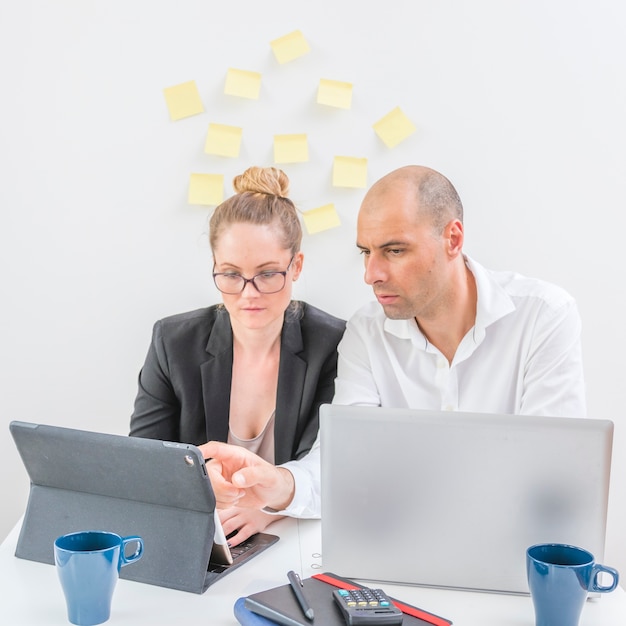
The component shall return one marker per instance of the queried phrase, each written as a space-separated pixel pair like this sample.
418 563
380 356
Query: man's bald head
436 198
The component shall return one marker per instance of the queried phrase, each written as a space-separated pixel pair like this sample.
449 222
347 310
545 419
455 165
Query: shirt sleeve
553 375
306 502
355 383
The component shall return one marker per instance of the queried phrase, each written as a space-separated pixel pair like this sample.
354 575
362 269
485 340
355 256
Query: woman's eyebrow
232 266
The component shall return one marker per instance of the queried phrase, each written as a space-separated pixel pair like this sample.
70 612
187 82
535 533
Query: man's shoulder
521 287
371 312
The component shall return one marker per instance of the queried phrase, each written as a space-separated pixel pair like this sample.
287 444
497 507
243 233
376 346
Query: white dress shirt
523 356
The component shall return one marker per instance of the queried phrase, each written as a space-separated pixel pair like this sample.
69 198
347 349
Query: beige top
262 444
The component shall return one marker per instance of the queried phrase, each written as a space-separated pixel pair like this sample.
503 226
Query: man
445 333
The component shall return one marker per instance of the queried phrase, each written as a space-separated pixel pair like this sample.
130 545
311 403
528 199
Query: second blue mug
560 577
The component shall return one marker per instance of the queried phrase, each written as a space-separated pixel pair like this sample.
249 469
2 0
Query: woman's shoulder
312 316
190 322
189 333
191 317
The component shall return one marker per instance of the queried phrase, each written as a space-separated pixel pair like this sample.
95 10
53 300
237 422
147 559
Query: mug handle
136 555
597 569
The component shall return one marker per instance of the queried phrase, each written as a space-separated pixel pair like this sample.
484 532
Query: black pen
297 586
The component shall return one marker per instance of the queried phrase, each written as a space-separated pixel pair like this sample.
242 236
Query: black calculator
367 607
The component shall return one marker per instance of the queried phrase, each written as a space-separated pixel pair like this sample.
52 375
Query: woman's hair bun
267 180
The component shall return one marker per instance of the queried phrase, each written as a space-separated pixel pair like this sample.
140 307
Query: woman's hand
245 521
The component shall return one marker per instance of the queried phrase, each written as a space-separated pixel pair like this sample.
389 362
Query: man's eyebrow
387 244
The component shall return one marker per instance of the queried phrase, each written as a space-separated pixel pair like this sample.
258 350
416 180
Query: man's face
406 261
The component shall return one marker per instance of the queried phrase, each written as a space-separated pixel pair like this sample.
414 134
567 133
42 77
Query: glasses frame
251 280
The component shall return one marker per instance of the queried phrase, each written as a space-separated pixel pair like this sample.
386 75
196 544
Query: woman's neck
257 341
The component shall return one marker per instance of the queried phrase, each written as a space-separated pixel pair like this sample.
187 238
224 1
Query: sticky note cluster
225 140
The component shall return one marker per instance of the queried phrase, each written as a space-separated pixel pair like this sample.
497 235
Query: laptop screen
450 499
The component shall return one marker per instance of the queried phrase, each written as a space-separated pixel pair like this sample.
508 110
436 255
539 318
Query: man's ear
455 236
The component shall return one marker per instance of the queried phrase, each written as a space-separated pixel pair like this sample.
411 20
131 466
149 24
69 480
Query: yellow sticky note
290 47
334 93
243 83
206 189
322 218
223 140
291 148
394 127
349 172
183 100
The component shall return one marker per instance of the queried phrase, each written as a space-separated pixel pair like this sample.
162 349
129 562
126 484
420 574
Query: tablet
159 490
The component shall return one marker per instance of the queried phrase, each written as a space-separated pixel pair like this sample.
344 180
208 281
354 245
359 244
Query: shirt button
448 407
441 363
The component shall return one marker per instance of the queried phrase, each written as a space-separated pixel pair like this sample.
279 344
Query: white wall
520 103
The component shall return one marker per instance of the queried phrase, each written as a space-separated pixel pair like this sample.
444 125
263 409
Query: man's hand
241 478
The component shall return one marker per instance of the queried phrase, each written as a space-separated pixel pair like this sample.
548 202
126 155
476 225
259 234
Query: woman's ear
296 264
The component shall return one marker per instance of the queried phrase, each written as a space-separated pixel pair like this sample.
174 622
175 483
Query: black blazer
184 385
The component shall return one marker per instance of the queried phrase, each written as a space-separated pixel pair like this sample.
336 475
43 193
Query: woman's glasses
264 282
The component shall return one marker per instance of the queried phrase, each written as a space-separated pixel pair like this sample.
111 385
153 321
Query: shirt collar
493 301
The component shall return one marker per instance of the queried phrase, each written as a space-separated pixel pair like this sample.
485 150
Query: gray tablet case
83 480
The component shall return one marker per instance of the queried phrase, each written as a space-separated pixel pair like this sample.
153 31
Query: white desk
31 594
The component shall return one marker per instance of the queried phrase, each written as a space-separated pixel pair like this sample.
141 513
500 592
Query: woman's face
249 250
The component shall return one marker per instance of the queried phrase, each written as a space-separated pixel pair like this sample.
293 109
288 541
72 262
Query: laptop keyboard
242 548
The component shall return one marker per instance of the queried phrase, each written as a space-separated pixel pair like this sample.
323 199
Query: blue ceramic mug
560 577
88 564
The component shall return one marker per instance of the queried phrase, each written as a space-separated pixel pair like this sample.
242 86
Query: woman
253 370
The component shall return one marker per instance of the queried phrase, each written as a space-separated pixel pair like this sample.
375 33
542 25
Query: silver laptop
451 499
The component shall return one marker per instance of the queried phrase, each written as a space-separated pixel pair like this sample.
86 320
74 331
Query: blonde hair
260 198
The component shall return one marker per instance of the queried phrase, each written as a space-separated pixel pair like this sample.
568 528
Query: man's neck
446 330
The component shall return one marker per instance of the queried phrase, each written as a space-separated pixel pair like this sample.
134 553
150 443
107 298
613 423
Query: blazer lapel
216 375
291 374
